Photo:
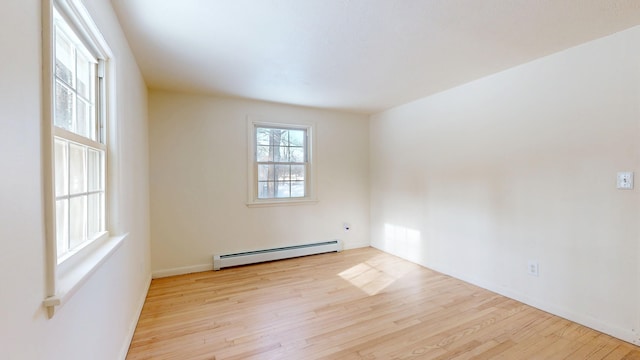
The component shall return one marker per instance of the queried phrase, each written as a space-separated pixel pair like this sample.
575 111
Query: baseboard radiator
256 256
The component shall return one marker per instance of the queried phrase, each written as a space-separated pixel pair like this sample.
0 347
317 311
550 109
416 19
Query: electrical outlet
625 180
532 268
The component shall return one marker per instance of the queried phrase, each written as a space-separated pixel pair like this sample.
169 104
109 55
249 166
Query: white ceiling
356 55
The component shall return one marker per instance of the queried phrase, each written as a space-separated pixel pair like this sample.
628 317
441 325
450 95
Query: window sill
284 202
71 281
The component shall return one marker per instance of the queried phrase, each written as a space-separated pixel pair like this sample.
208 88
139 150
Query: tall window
79 140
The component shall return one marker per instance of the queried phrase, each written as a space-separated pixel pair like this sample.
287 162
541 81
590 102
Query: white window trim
252 182
63 279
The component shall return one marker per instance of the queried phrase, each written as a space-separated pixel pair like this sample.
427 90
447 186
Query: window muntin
282 162
79 142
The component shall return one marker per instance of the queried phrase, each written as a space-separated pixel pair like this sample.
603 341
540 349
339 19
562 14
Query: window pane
278 153
265 172
262 136
271 137
77 173
280 136
266 189
85 82
297 189
65 58
94 170
62 226
94 214
61 168
284 153
263 154
297 154
78 221
296 137
282 189
283 172
64 107
85 124
297 172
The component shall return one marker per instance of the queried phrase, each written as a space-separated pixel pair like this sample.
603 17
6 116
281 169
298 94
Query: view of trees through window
281 157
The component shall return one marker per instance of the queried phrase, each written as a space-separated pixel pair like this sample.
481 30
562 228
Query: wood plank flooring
358 304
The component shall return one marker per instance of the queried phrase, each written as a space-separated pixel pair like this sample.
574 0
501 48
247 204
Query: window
78 70
79 140
280 164
281 156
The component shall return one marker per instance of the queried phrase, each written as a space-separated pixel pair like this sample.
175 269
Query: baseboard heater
256 256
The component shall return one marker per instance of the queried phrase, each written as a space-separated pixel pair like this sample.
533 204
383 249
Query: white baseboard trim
181 270
627 335
349 246
134 321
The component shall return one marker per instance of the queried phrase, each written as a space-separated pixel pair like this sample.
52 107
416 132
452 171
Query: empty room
319 179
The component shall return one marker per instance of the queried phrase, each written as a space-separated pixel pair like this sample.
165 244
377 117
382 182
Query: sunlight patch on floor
372 278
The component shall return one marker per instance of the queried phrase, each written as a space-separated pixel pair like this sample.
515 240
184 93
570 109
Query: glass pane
296 154
297 189
280 137
296 137
263 153
77 173
62 226
262 136
78 221
279 154
284 153
277 137
61 168
265 172
283 172
102 224
64 107
85 82
266 189
297 172
282 189
65 58
94 170
85 120
94 214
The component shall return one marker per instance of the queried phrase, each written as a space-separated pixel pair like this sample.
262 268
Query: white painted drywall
198 181
519 166
97 322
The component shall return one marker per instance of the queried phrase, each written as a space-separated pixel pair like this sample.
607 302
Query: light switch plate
625 180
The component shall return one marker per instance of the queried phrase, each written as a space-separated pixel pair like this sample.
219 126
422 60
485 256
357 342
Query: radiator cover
256 256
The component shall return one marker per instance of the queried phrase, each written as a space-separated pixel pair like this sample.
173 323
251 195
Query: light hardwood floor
358 304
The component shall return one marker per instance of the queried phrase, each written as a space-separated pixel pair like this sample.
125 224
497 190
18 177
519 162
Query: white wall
478 180
96 323
198 181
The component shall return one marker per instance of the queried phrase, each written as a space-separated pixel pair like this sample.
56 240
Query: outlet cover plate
532 268
625 180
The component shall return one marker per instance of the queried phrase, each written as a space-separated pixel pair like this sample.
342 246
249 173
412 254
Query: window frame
66 274
97 138
252 184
